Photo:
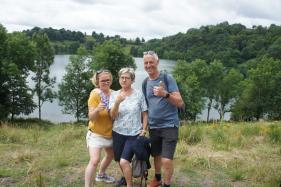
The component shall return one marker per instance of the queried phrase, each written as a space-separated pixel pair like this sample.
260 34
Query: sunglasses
102 71
107 81
149 53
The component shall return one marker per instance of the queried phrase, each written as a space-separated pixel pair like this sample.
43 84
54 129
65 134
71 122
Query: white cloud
130 19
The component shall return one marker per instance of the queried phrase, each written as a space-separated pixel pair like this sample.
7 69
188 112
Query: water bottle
105 100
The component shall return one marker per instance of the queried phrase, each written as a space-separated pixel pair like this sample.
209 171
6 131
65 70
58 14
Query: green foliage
76 85
3 76
228 90
191 135
59 157
274 134
44 59
251 130
17 57
7 137
110 56
190 88
220 139
57 35
231 44
260 96
211 82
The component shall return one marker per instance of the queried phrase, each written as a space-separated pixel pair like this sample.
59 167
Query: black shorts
163 141
122 146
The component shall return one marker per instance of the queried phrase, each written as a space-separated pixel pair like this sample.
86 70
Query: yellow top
103 124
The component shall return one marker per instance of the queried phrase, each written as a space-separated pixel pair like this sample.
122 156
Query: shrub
274 134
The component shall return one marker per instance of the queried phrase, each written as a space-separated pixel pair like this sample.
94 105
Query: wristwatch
167 95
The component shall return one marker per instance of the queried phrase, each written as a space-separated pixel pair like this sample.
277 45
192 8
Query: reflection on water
52 111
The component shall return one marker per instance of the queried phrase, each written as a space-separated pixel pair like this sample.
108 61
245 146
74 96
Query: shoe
121 182
105 178
154 183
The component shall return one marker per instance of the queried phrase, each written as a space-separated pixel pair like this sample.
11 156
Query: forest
230 68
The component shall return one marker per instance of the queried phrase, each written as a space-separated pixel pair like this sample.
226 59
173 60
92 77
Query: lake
52 111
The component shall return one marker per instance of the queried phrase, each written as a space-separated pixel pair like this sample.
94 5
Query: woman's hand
142 132
100 107
121 97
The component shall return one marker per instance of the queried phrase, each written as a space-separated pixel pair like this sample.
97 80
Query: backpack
140 169
144 86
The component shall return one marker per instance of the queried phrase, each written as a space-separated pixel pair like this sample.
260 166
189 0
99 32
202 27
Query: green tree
110 55
16 61
20 95
212 81
3 74
190 88
275 49
76 86
228 90
20 54
261 96
44 59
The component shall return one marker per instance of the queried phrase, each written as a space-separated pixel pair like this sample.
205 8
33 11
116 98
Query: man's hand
159 91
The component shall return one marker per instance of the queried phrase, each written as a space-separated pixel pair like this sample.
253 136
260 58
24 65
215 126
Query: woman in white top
128 109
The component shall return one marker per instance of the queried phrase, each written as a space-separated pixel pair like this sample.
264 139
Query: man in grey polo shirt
163 99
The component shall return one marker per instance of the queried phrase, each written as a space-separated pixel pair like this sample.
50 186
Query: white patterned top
128 121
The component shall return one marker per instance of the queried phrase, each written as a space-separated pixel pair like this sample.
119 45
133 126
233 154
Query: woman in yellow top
99 135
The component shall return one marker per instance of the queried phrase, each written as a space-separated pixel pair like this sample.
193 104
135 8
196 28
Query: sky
146 19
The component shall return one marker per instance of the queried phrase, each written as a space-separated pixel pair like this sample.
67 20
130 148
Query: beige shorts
97 141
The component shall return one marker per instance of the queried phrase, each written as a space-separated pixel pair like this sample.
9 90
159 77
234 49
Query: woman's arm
144 116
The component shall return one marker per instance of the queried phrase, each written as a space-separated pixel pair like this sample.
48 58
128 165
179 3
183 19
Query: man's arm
174 98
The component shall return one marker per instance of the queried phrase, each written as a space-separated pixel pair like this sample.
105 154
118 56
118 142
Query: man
163 99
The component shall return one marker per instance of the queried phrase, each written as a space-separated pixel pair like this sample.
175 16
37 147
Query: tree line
22 56
230 68
19 57
232 44
250 96
67 42
226 67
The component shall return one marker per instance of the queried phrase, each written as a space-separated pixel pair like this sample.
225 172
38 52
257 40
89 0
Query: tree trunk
209 109
222 112
39 107
12 116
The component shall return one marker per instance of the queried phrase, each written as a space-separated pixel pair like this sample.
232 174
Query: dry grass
240 154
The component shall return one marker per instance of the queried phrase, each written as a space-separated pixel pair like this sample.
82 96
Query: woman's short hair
95 78
131 71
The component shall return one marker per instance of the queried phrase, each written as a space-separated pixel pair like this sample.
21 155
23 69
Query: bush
274 134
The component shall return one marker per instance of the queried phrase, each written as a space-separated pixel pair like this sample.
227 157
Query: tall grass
190 134
227 154
274 134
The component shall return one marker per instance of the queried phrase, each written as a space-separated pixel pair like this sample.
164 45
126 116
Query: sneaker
121 182
154 183
105 178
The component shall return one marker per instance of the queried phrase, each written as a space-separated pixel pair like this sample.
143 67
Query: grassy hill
228 154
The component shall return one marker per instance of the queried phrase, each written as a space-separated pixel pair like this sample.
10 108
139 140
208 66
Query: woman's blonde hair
95 78
131 71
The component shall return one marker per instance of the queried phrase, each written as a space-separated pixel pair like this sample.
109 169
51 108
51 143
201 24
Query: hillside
240 154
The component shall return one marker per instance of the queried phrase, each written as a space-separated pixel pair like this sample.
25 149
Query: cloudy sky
136 18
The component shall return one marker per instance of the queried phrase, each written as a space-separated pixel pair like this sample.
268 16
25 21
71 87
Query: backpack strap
144 86
180 109
166 80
